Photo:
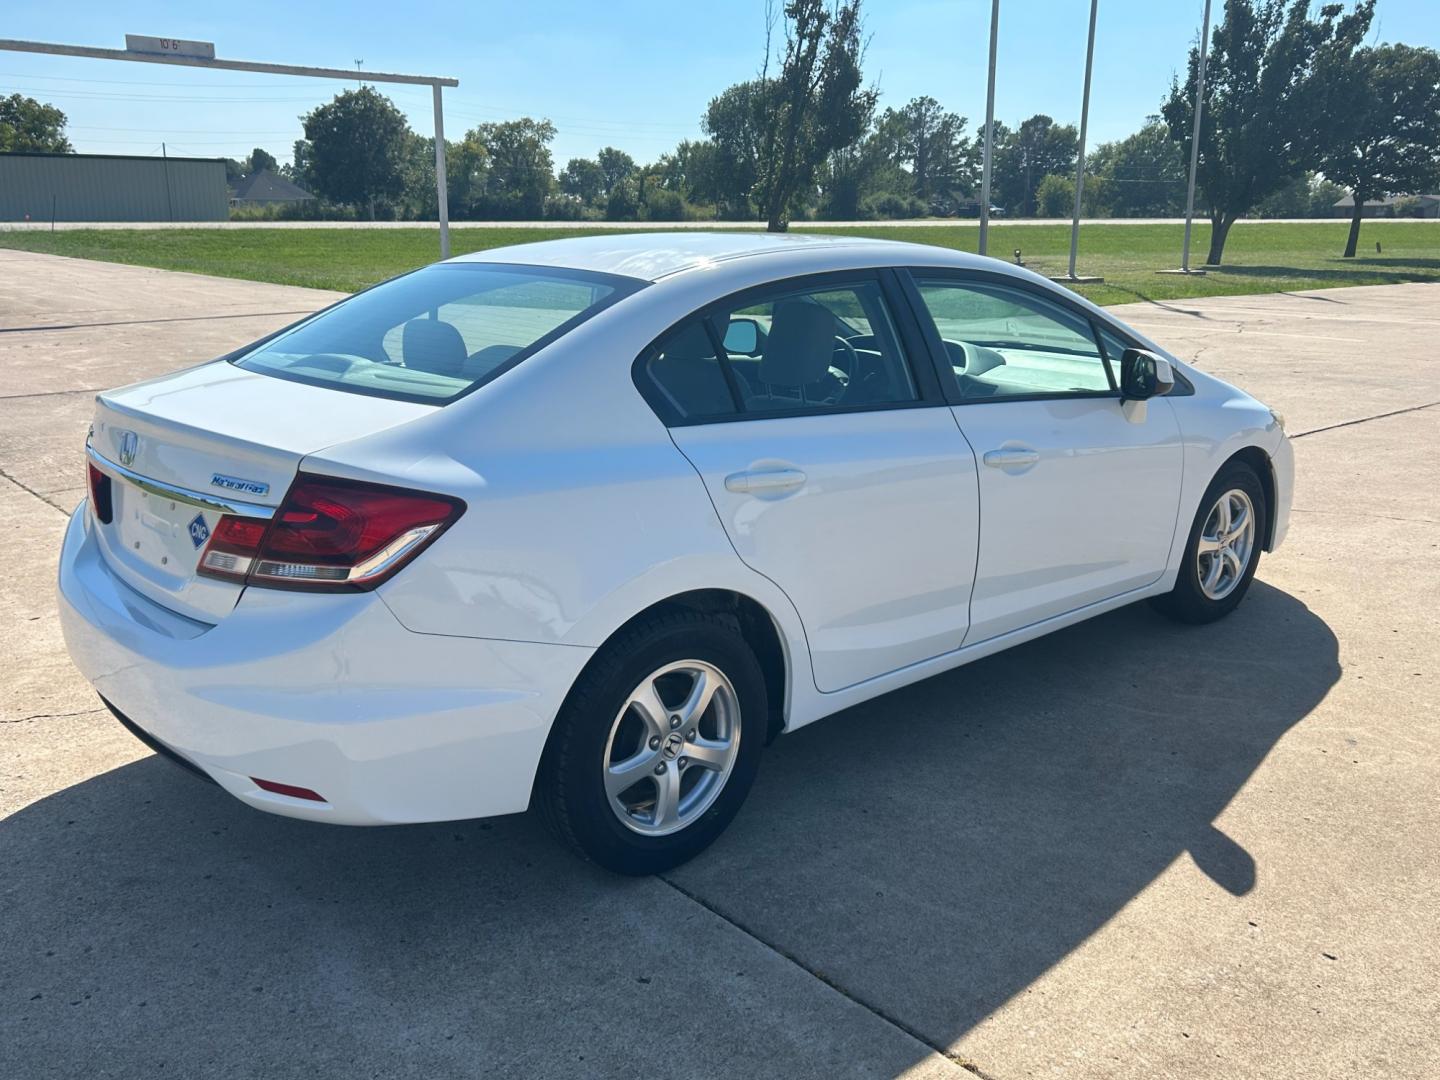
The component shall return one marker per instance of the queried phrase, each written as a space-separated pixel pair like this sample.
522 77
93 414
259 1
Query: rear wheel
657 745
1223 550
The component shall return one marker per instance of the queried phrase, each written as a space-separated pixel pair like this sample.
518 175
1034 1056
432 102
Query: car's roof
651 256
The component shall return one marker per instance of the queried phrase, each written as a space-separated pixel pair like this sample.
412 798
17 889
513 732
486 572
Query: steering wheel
851 369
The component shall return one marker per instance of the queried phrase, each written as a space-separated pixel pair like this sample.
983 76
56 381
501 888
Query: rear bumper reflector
288 789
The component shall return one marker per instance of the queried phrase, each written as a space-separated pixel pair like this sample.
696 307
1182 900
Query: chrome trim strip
202 499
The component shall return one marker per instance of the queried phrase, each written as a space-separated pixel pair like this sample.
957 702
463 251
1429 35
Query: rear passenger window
686 371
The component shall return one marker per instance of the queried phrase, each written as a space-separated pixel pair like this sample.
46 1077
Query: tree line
1297 112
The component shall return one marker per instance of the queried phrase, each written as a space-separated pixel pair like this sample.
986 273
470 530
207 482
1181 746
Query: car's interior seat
483 361
434 346
689 373
795 365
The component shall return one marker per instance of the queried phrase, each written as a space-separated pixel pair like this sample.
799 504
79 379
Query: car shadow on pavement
930 854
936 850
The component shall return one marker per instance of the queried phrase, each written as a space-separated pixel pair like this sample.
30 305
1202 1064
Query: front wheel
1223 550
657 745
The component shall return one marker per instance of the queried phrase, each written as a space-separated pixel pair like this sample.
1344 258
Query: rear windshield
438 333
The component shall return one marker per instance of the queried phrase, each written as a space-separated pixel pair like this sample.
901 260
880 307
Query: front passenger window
1004 342
816 349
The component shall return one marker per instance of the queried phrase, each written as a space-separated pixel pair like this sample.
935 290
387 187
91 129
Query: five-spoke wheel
672 747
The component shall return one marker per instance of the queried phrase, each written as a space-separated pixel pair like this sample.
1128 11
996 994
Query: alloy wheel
671 748
1227 540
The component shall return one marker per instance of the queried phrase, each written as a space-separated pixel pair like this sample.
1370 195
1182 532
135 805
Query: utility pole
989 130
1195 145
1080 161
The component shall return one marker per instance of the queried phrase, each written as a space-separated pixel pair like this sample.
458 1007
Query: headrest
800 346
433 346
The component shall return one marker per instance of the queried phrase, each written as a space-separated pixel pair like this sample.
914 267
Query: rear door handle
1010 457
764 480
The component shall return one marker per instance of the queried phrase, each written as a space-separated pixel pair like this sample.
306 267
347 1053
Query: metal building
111 187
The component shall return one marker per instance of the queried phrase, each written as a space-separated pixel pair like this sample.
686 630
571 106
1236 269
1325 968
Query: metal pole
441 193
169 203
990 129
1195 137
1084 120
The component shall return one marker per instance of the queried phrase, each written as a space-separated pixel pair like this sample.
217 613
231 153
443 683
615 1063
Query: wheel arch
758 626
1259 461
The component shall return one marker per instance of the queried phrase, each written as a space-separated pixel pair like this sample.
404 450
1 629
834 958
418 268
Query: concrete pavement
1128 850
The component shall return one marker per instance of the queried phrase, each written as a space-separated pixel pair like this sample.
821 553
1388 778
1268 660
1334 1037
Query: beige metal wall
96 187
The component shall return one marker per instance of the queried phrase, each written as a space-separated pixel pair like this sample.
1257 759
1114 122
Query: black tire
570 788
1187 602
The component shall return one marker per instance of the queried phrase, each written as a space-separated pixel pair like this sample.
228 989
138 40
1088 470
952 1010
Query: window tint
1004 342
816 349
436 333
687 372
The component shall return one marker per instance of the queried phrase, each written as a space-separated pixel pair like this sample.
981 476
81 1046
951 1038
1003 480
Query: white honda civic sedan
589 522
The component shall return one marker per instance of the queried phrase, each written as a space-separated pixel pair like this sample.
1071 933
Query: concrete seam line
50 716
784 954
148 322
29 490
53 393
1365 419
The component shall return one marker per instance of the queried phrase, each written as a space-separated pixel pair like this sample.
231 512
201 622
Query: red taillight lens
100 498
330 534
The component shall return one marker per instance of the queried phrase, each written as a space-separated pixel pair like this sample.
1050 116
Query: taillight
100 498
329 534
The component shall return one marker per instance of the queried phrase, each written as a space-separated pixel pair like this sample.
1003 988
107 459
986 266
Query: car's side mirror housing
1144 375
742 337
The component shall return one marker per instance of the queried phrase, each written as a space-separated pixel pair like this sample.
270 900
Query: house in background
264 188
1425 206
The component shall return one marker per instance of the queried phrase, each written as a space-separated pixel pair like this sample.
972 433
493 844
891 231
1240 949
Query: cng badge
199 531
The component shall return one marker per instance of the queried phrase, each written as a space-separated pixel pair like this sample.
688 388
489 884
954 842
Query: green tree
1025 156
261 161
1384 104
1055 196
583 178
817 105
735 121
615 166
1141 175
467 169
357 149
1260 126
521 170
29 125
931 144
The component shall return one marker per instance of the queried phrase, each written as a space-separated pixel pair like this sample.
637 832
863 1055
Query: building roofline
109 157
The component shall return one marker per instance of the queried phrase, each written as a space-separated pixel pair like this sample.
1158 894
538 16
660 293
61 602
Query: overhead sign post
159 50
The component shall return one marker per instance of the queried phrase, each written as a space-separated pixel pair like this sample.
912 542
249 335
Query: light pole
1080 159
1195 145
989 130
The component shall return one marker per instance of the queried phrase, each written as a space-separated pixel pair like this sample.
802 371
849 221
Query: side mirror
1144 375
742 336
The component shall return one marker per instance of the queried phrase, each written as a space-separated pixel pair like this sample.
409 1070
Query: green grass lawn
1258 258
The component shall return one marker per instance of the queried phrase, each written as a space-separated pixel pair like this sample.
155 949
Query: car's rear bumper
325 692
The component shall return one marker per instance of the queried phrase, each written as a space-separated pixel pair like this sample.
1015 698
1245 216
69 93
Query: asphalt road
1128 850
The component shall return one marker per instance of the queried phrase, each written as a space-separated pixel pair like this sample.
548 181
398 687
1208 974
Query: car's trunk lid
182 447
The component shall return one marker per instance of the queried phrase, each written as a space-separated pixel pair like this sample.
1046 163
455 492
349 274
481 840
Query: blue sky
629 74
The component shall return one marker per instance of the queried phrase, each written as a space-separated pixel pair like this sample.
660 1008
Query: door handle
763 481
1010 457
